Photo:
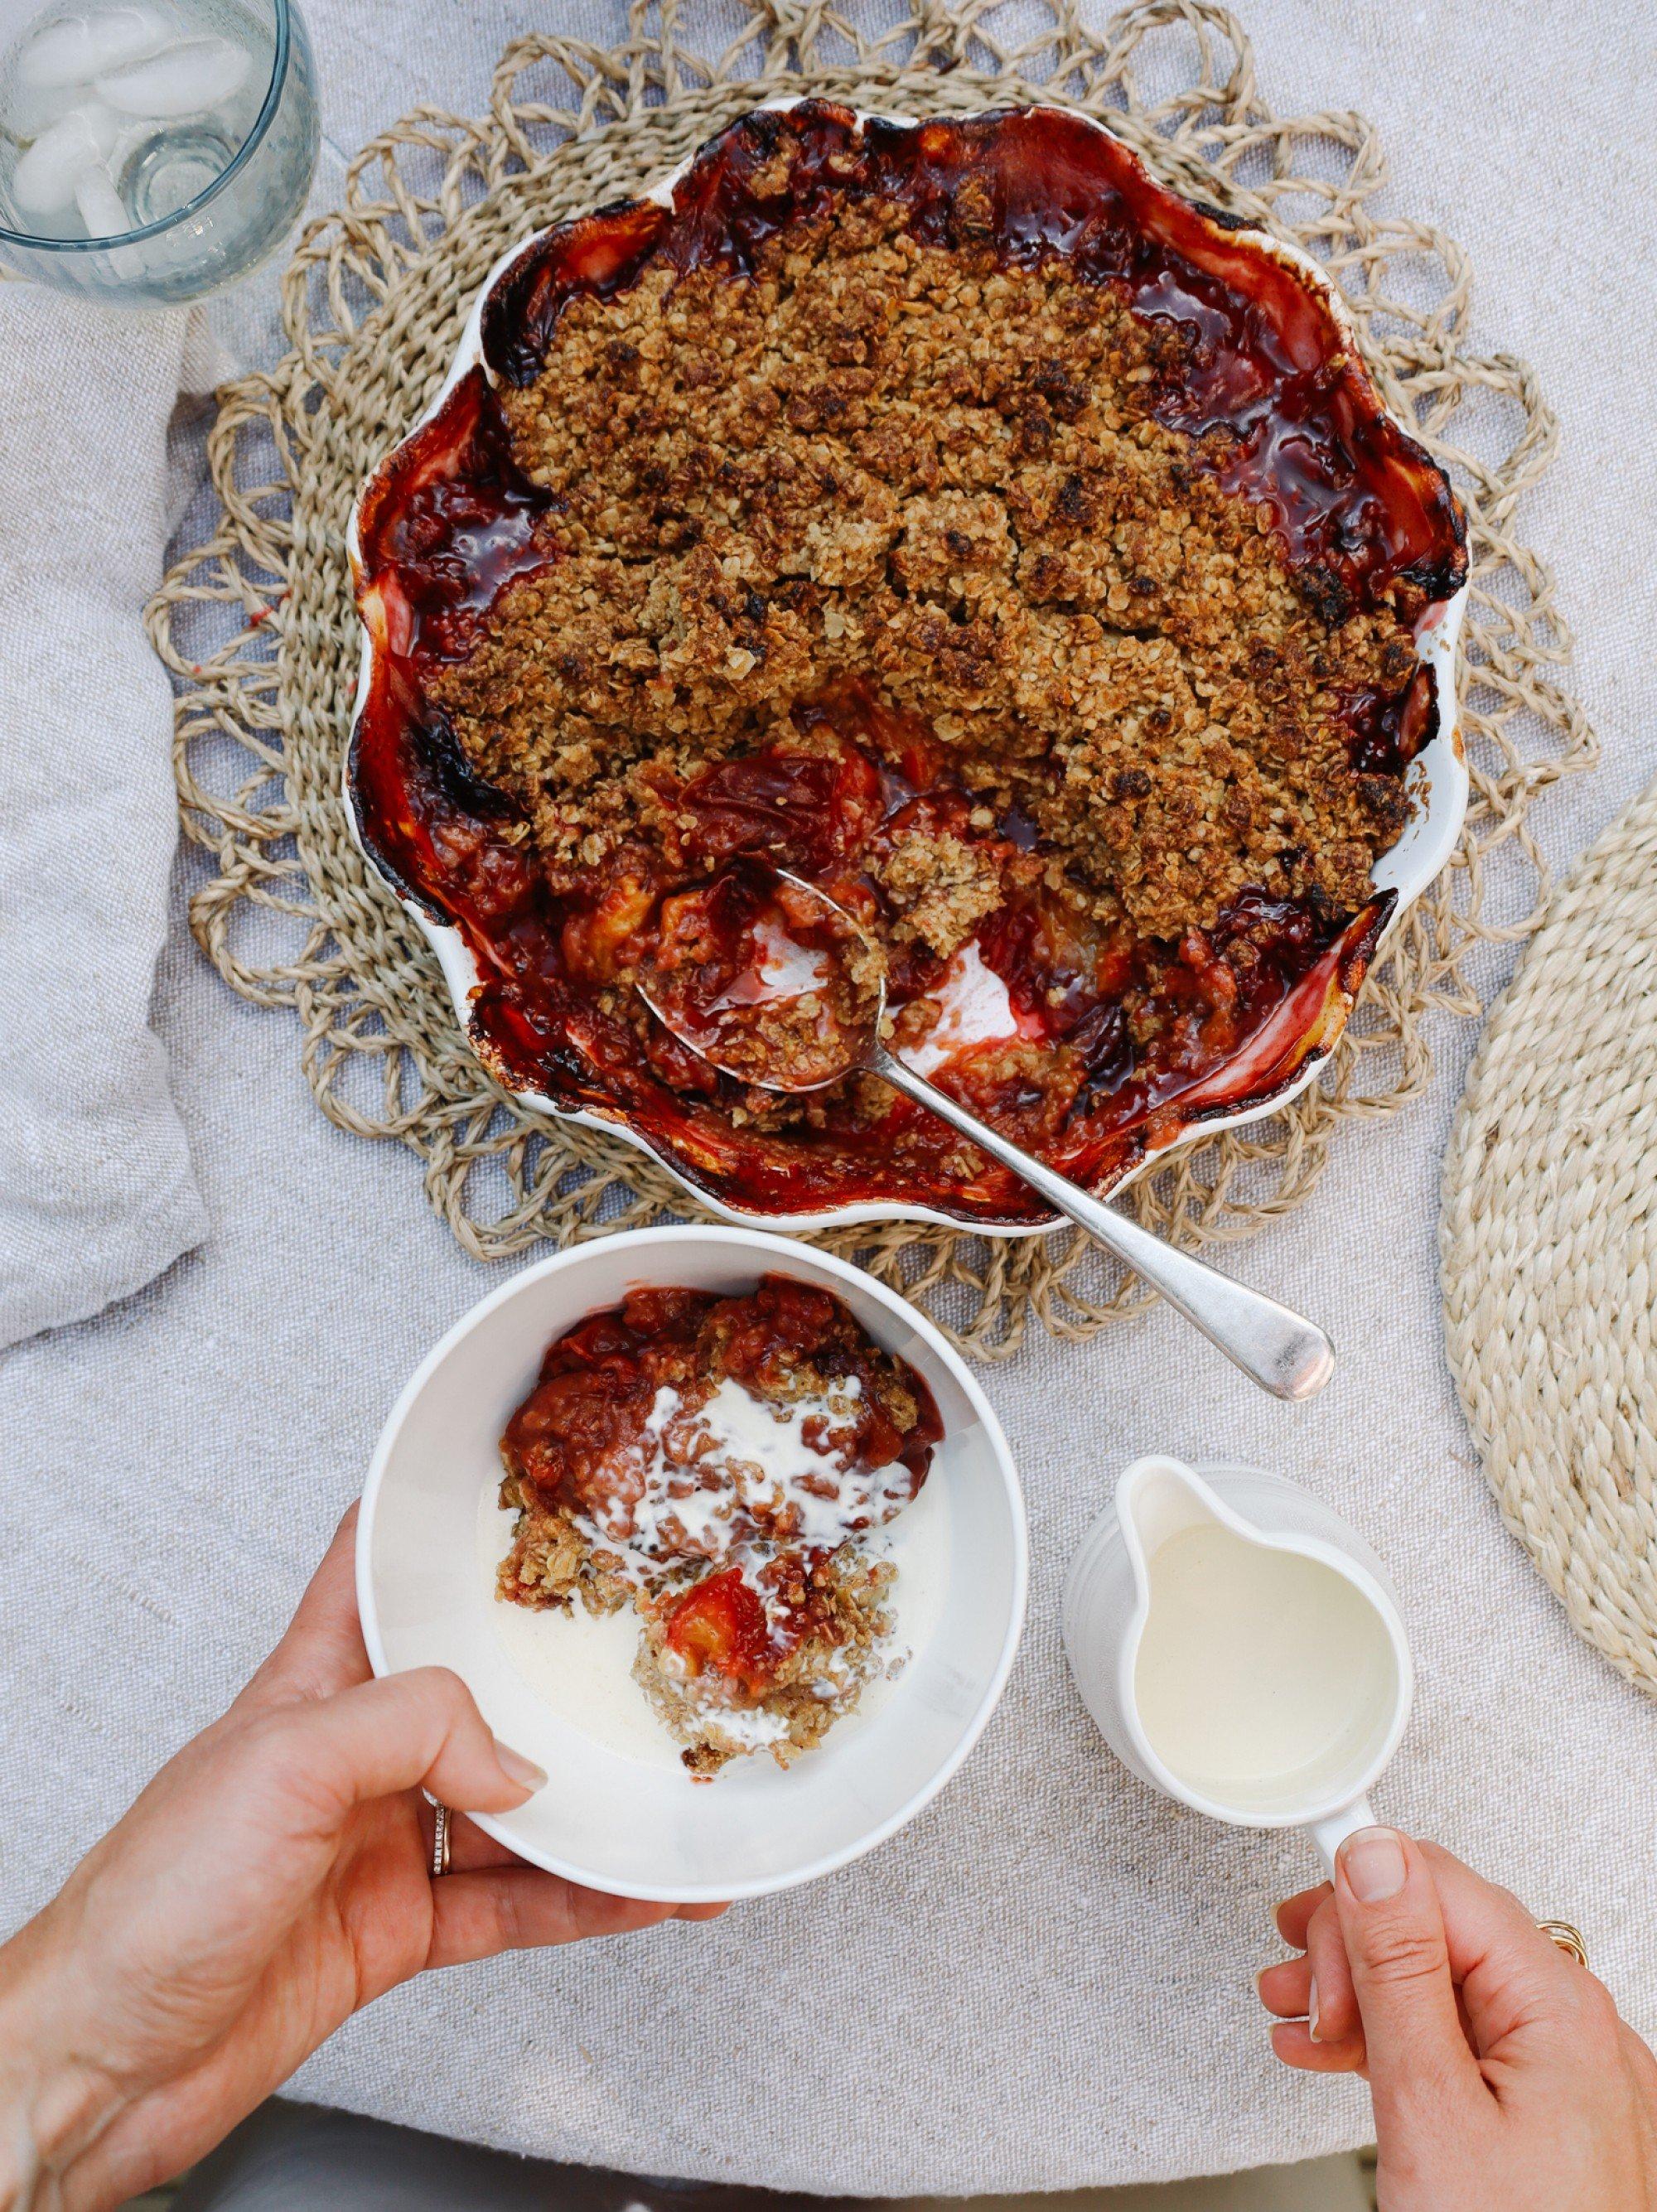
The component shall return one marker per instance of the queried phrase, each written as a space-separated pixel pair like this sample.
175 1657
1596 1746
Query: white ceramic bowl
1438 783
612 1822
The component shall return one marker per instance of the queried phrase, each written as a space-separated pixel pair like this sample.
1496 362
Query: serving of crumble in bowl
720 1532
952 516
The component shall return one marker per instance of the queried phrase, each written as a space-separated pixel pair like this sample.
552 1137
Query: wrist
56 2099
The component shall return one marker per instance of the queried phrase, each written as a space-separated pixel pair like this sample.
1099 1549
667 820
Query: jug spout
1158 1497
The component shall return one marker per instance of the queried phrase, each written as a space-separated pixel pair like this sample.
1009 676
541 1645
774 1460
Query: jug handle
1330 1833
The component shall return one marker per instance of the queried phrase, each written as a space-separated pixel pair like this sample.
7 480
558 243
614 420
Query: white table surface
1047 1981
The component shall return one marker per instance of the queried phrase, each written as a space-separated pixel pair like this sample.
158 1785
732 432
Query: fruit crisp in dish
953 516
716 1463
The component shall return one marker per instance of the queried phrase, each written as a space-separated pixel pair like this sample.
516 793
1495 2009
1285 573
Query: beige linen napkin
96 1192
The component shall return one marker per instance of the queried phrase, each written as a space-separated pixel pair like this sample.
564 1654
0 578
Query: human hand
1501 2073
271 1881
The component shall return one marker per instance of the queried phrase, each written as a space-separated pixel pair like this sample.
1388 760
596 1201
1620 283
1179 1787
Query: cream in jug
1259 1671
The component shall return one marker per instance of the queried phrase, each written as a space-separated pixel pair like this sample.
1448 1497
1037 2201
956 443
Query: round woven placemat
257 624
1549 1247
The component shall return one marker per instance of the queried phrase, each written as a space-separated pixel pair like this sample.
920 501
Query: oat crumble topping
881 460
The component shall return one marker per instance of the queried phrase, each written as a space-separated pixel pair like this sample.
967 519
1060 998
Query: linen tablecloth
96 1190
1046 1980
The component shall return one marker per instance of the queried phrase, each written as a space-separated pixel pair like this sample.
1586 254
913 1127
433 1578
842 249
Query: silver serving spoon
1289 1357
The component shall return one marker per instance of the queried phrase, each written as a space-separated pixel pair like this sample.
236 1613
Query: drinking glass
205 195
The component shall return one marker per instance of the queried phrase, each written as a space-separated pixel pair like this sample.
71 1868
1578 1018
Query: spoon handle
1285 1355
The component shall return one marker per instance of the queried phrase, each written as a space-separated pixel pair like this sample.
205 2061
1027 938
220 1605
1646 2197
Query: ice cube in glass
182 80
80 45
101 208
44 181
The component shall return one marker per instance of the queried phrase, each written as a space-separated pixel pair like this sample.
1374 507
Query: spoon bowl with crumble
775 984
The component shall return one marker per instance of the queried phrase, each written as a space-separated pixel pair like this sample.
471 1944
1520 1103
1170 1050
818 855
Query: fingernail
1312 2009
517 1769
1373 1862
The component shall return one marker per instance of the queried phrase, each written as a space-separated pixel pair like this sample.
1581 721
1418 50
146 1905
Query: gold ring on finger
1567 1938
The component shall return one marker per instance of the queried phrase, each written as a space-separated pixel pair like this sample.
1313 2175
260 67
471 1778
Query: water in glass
118 117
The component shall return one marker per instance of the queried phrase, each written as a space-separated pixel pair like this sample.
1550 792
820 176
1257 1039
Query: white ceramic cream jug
1240 1647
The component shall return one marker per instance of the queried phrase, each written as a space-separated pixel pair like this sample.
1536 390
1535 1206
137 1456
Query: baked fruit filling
721 1464
955 518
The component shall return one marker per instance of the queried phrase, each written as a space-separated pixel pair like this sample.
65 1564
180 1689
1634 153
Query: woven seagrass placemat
1549 1247
372 304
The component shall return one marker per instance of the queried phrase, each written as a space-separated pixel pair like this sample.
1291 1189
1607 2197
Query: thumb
1393 1933
418 1728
